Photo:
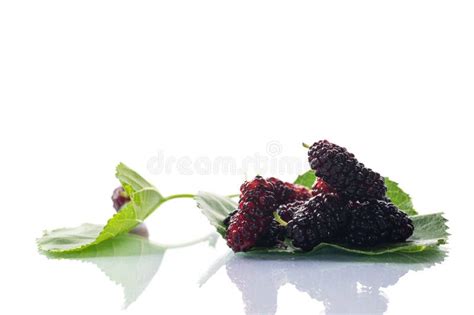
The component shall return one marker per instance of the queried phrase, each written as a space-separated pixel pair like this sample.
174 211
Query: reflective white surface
141 276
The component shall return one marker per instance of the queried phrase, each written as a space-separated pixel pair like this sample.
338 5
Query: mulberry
227 219
287 192
320 219
244 231
286 211
341 170
254 215
375 222
119 198
322 187
274 235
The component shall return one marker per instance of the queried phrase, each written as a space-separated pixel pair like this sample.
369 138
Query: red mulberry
254 214
288 192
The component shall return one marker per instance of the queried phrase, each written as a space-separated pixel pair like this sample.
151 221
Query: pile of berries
346 205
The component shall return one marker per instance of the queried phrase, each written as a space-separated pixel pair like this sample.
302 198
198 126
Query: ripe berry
286 211
119 198
322 218
254 215
375 222
341 170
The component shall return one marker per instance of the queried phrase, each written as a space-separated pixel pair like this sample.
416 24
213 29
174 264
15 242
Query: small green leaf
306 179
399 198
430 230
144 200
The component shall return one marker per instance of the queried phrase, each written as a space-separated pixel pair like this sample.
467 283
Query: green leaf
430 230
306 179
144 200
398 197
216 208
130 179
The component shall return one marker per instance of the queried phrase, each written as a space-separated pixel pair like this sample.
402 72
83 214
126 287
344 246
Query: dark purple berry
119 198
322 218
341 170
286 211
376 222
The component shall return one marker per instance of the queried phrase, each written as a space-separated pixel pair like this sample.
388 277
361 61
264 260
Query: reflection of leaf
128 260
430 230
144 200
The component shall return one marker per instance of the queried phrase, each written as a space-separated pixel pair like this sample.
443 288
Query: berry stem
307 146
279 219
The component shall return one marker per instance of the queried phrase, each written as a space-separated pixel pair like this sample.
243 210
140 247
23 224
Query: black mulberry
320 219
273 236
322 187
341 170
375 222
286 211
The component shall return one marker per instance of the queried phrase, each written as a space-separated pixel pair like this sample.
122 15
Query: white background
86 84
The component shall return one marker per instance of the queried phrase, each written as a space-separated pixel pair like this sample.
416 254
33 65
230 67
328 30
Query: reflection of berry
254 215
322 187
287 192
286 211
320 219
375 222
341 170
120 198
257 282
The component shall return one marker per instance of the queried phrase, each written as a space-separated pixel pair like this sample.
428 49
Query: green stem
178 196
307 146
279 219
